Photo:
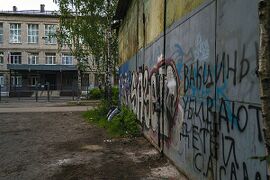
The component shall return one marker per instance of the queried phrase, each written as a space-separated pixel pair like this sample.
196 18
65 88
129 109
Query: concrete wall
199 102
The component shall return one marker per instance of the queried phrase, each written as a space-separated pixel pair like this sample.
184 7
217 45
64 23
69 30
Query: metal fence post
19 93
0 92
87 91
36 93
73 91
48 91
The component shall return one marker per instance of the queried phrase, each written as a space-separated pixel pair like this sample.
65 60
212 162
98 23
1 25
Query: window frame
16 81
15 38
2 57
36 58
52 56
1 32
65 58
35 78
32 33
15 61
50 32
2 80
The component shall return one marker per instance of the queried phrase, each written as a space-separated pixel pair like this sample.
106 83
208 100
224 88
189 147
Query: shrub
115 95
123 124
96 94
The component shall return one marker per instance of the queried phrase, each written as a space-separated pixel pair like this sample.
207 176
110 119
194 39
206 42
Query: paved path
45 109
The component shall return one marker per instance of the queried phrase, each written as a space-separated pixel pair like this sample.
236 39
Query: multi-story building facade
30 55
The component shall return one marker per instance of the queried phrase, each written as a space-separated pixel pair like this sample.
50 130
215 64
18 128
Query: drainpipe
163 75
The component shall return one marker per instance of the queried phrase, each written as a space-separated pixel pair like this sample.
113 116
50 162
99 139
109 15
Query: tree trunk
109 58
264 66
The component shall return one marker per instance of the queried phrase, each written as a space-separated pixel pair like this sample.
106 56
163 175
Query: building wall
25 48
199 102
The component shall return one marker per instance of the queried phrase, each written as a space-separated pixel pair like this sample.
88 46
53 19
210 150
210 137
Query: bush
122 125
115 95
96 94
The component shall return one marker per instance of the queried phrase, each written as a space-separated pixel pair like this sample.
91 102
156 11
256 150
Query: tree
85 26
264 65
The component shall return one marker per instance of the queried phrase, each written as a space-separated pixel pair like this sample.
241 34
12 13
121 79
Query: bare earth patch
54 145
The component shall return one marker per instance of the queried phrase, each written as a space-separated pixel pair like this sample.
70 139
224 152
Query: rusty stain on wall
128 34
134 34
154 17
176 9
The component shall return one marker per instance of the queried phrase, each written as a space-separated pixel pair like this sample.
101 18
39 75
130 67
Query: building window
1 58
34 81
32 33
33 58
50 34
16 81
67 59
1 33
50 58
2 80
16 57
15 33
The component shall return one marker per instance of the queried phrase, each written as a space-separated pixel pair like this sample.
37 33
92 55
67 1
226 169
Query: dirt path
63 146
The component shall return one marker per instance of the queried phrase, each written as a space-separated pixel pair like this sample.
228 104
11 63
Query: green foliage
115 95
96 94
122 125
83 27
97 115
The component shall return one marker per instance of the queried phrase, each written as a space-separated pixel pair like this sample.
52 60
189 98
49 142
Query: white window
15 33
1 33
50 34
32 33
67 59
50 58
16 81
2 80
16 57
33 58
1 58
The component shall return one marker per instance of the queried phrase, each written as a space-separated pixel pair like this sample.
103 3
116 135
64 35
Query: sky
27 5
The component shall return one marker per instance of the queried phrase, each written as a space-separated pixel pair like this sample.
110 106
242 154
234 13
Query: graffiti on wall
185 99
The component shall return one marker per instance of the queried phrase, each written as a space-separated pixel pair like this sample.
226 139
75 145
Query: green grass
122 125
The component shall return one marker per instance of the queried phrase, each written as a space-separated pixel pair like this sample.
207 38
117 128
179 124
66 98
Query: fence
41 92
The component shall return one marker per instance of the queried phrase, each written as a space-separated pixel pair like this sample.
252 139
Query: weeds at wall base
122 125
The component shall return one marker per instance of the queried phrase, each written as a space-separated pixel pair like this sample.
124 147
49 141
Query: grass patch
122 125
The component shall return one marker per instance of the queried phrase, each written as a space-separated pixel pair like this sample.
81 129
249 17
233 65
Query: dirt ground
61 145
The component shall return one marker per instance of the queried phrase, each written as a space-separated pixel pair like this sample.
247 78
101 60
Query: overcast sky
27 4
